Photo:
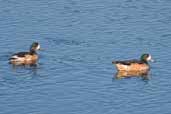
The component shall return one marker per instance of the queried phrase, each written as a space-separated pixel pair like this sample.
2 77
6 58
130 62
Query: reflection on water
127 74
32 68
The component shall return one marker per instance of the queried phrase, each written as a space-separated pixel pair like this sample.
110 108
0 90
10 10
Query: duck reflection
128 74
32 68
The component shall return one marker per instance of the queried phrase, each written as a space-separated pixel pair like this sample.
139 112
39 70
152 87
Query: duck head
146 58
35 47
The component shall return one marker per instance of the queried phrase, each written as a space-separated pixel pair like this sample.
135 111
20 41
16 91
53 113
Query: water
80 39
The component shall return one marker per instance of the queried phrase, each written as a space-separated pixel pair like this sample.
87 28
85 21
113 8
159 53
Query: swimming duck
24 58
134 65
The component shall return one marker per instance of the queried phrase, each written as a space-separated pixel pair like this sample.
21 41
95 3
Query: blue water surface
80 39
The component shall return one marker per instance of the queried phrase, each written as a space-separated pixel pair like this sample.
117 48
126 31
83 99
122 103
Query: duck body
25 58
131 65
134 65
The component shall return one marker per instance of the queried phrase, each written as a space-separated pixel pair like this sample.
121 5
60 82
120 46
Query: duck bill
152 60
41 49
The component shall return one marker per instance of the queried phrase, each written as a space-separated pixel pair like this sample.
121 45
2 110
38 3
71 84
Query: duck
134 65
26 58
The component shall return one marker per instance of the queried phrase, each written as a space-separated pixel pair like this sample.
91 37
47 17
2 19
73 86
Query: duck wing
127 62
18 55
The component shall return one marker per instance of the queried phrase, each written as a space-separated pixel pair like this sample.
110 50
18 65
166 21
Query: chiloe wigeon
134 65
25 58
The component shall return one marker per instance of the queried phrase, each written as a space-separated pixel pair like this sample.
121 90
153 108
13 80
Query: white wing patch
16 58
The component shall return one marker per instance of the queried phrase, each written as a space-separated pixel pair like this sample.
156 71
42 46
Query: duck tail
114 62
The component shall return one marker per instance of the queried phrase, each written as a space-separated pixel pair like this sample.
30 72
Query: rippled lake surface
80 39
